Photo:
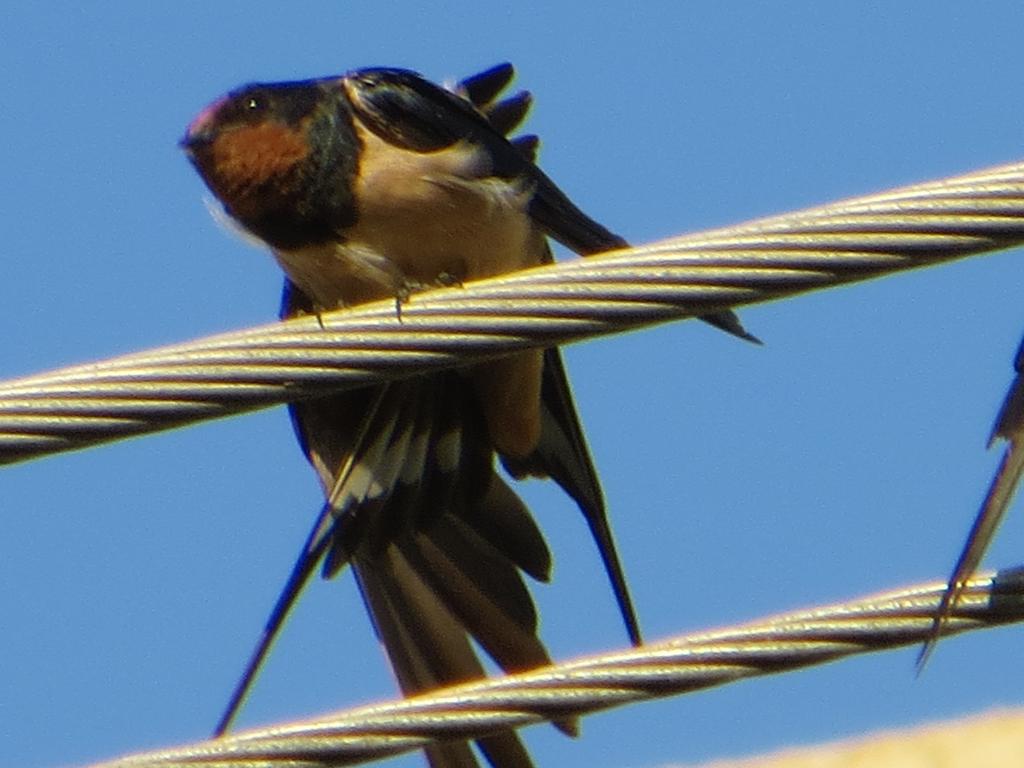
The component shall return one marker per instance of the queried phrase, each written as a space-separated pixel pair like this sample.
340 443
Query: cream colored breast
442 212
423 218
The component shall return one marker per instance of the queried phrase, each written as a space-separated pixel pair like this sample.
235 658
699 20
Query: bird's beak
200 131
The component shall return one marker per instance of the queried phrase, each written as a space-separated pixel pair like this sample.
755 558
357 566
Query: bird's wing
411 112
406 110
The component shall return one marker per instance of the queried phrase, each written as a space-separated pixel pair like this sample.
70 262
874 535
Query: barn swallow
372 185
1009 426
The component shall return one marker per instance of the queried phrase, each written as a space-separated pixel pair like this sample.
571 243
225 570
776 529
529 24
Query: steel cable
680 665
670 279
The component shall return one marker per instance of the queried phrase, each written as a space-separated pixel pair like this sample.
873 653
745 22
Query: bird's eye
253 104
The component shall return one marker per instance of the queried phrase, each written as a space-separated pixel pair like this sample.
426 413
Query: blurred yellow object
991 740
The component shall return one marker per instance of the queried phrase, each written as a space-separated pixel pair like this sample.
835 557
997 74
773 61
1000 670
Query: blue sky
846 456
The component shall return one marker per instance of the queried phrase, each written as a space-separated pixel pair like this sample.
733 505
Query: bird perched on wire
374 185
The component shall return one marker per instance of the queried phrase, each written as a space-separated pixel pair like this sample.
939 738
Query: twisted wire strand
670 279
679 665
